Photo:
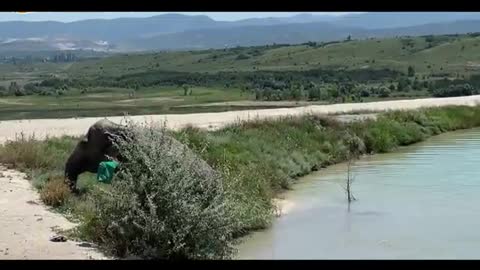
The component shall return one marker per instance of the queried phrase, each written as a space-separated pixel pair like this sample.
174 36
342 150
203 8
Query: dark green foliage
416 85
185 89
242 57
411 71
54 83
384 92
314 93
31 88
403 83
364 92
296 93
3 91
425 84
171 78
455 90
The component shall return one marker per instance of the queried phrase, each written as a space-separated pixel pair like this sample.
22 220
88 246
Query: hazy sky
75 16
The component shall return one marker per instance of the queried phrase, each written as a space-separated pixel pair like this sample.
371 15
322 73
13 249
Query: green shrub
164 203
384 92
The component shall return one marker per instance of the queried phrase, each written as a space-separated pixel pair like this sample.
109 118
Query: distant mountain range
175 31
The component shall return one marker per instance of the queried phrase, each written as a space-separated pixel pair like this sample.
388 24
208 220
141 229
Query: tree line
316 84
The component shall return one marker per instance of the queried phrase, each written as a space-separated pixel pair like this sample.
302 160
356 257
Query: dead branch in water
354 149
349 181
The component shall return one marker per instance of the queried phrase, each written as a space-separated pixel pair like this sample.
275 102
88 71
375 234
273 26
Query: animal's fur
96 146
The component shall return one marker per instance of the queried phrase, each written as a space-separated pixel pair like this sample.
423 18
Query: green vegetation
163 203
105 101
255 159
455 90
333 72
394 53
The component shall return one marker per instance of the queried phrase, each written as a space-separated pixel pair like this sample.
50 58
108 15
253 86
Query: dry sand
252 103
26 224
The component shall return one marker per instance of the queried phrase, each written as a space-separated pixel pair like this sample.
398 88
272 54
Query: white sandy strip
57 127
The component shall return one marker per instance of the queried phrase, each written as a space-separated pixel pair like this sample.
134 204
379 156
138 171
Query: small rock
32 202
58 238
39 219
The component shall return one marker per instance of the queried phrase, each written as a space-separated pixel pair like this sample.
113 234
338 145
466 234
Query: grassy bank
256 159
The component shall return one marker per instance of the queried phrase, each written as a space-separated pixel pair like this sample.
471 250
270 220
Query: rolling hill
180 32
368 69
428 54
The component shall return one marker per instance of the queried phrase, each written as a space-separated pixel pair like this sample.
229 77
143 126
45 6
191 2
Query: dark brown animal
96 146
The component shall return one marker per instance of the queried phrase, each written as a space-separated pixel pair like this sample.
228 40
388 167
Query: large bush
164 203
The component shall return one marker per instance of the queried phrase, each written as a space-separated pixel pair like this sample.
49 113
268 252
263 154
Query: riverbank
405 198
258 159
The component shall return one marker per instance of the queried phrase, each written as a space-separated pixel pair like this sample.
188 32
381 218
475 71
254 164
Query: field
240 78
115 101
429 55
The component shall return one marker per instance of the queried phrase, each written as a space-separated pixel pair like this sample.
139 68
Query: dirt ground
27 225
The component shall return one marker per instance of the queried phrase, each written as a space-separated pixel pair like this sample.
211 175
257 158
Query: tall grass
255 160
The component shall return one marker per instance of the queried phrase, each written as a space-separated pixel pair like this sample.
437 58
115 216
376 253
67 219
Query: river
421 202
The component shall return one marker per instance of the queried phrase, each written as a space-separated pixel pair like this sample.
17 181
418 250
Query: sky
76 16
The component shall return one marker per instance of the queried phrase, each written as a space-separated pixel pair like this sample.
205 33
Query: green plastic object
105 172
